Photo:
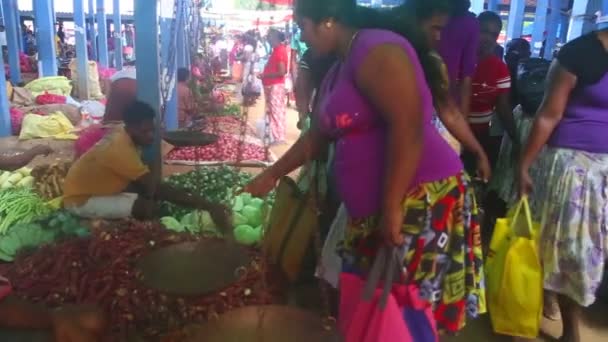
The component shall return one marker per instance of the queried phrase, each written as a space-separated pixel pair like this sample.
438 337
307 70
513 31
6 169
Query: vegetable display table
266 323
193 268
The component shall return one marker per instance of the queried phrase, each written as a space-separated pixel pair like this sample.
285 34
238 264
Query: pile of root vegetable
102 270
50 178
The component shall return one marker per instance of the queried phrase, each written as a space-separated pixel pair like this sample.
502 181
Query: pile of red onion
228 148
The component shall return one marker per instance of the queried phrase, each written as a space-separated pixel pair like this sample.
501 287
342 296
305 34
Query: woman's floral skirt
570 200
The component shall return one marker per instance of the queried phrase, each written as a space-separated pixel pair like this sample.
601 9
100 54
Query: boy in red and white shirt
491 87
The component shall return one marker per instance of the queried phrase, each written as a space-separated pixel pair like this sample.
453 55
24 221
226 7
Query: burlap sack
92 81
22 98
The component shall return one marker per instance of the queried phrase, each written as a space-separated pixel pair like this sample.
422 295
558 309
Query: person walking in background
60 33
312 70
527 90
432 16
491 91
490 109
273 78
185 99
390 162
564 169
518 52
459 47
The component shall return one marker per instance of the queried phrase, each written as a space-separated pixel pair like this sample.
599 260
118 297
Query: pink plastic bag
16 120
366 321
392 312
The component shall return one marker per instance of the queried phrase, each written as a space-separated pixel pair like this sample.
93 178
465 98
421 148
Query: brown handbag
292 225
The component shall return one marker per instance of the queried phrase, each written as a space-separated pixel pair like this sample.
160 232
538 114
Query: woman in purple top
458 48
569 196
401 183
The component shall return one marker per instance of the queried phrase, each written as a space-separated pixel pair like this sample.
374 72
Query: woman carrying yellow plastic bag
514 275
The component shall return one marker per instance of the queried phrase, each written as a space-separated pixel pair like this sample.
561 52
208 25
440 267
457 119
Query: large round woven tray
193 268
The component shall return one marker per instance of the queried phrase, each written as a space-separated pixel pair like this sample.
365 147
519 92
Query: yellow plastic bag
514 275
55 125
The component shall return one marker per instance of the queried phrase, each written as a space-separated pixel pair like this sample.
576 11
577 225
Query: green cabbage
238 219
245 235
172 223
253 215
238 204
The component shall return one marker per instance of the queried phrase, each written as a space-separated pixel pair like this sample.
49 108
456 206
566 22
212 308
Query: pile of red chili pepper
101 270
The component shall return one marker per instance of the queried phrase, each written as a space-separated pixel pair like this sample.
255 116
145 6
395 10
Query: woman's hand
221 216
484 170
390 225
525 182
261 185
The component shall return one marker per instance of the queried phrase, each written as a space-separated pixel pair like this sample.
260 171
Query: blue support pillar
148 71
493 5
552 28
577 23
92 31
477 6
540 26
148 58
5 116
515 25
117 35
45 37
9 7
102 34
171 120
17 13
81 49
53 12
604 19
182 47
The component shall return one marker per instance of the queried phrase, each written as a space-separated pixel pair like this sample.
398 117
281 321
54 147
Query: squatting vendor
111 181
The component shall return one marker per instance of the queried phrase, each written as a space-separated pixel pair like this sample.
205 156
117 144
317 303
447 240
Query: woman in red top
273 79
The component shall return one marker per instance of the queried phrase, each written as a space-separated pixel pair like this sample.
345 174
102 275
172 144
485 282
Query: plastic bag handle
525 205
387 261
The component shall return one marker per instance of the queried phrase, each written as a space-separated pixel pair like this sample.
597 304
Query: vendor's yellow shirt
106 169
